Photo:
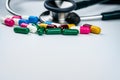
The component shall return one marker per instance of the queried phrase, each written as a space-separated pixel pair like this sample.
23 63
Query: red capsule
64 27
87 25
51 26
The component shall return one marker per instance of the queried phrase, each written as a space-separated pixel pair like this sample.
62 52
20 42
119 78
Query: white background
58 57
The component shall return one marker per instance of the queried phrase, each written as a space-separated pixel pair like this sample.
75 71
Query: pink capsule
24 25
84 30
17 17
9 22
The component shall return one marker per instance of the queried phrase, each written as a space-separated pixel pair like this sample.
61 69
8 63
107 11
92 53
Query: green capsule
40 31
35 26
70 32
53 31
21 30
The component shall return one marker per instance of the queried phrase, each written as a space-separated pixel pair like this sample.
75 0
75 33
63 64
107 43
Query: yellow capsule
95 29
43 25
71 25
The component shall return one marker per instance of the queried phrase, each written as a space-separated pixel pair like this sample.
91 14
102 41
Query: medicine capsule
8 22
40 31
13 17
57 24
48 22
32 28
24 25
87 25
43 25
16 17
53 31
71 25
84 30
77 27
31 19
36 25
21 30
95 29
70 32
64 26
51 26
23 21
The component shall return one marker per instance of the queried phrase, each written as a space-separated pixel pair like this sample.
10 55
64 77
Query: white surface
58 57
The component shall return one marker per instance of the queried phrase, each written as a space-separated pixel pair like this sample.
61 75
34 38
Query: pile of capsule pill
32 24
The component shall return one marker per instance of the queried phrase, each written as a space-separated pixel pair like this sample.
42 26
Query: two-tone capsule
31 19
8 22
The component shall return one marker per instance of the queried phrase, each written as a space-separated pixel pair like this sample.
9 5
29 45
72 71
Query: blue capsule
23 21
48 22
33 19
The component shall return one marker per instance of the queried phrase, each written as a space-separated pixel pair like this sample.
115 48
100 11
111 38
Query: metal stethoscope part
55 11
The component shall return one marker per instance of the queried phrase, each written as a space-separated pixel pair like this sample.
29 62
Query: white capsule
2 20
25 17
32 28
16 21
57 24
77 27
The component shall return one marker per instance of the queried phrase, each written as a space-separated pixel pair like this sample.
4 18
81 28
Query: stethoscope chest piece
59 11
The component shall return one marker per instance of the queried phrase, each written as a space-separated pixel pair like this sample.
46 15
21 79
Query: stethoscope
59 12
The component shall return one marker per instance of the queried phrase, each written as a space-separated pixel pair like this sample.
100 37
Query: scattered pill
64 26
9 22
24 25
87 25
51 26
32 28
53 31
21 30
23 21
40 31
33 19
84 30
70 32
43 25
16 17
77 27
71 25
48 22
57 24
95 29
